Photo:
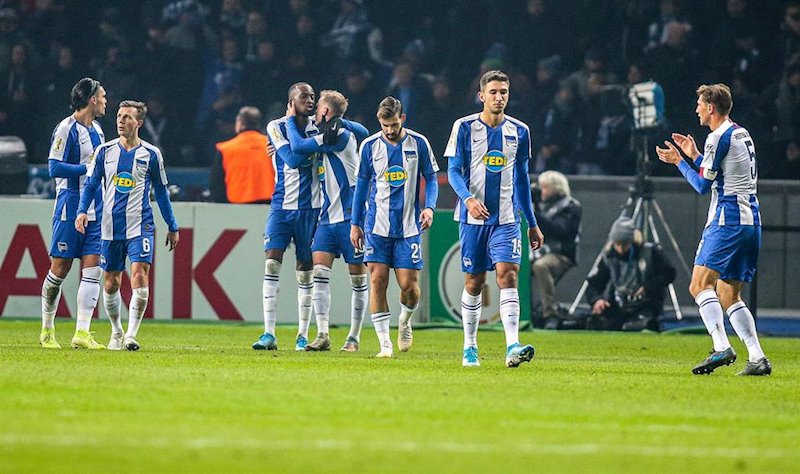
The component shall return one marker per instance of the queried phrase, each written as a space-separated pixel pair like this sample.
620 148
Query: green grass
196 398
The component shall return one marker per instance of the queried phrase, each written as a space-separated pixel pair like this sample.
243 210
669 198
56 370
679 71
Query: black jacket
657 273
560 222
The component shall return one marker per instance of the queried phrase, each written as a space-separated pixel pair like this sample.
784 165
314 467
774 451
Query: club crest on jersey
396 176
410 155
140 166
124 182
494 161
511 140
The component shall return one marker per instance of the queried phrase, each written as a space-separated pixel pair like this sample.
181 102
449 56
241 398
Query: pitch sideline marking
406 446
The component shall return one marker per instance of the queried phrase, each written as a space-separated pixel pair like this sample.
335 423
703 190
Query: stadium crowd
197 62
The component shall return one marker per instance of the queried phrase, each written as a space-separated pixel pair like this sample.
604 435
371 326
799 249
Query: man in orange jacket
242 172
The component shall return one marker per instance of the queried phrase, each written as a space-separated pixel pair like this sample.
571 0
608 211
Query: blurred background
572 64
195 63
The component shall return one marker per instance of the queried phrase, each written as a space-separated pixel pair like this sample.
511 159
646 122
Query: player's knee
379 280
111 283
272 267
140 275
60 266
507 279
697 287
727 297
410 295
474 284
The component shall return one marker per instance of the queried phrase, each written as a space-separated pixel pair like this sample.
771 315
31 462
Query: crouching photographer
627 289
559 217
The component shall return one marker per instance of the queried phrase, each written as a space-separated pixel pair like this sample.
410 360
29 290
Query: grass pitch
196 398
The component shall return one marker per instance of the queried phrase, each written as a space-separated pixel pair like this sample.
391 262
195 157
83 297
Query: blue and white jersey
492 158
295 188
125 178
73 143
393 173
337 171
729 160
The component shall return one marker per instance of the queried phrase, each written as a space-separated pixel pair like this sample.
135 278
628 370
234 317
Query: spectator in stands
559 218
232 17
592 156
225 72
782 104
221 121
447 110
303 40
57 82
118 76
255 31
111 31
786 47
669 11
11 35
559 126
627 289
242 172
545 87
594 62
413 92
19 95
425 50
161 130
158 60
47 26
361 97
346 38
263 78
538 31
192 32
675 65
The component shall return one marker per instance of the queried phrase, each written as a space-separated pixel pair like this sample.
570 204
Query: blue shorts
285 226
137 249
483 246
397 253
69 243
731 250
335 239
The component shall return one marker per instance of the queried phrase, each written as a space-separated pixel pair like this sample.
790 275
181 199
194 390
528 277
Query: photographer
559 217
626 291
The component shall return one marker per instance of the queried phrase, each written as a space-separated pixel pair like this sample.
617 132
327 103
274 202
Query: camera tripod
640 206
